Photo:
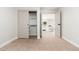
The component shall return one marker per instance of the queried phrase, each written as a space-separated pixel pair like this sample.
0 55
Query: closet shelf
33 25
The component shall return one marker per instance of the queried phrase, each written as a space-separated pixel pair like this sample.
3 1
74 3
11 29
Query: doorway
32 24
58 24
48 25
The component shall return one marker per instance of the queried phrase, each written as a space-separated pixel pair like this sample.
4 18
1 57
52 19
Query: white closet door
23 24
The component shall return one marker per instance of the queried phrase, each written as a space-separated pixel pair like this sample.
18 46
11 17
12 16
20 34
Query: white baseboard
73 43
7 42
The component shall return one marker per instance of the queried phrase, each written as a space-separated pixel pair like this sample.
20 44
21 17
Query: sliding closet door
23 30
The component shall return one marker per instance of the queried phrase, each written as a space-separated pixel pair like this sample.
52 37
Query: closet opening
32 24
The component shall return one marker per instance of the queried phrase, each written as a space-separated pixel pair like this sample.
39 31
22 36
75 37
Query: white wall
48 9
70 23
8 24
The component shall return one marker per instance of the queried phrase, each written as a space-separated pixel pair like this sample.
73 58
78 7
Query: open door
23 26
58 24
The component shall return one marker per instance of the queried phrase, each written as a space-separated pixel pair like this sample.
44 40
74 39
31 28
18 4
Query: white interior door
48 26
23 24
57 23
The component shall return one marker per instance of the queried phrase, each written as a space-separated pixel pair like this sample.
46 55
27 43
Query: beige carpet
39 45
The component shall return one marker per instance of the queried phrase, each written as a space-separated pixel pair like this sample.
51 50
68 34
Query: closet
28 24
32 24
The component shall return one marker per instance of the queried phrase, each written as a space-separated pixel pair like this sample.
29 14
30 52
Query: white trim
73 43
7 42
38 23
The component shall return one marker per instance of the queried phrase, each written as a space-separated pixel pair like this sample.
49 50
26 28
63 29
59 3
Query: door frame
29 21
61 24
59 14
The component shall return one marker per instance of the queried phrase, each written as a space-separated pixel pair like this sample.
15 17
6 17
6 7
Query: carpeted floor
39 45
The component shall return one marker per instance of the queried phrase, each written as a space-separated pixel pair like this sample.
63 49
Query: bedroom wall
70 24
8 24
